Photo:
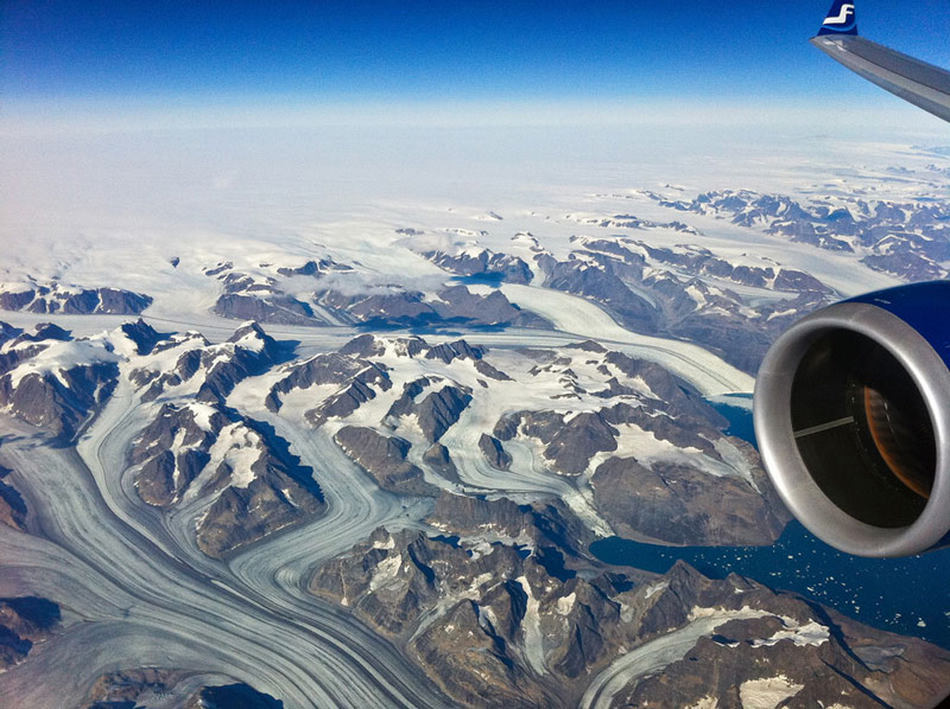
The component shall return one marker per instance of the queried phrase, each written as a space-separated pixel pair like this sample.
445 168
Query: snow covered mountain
907 239
55 382
56 297
234 474
590 425
239 474
358 454
496 626
328 293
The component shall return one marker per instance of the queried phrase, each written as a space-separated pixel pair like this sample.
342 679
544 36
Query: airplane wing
917 82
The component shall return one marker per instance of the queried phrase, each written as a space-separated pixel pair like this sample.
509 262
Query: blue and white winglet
922 84
840 20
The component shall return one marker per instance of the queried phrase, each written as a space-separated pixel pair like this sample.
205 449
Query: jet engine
852 417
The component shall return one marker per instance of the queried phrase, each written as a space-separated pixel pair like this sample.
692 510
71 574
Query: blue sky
549 50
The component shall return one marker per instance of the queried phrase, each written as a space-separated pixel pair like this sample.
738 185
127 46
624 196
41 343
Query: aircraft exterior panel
917 82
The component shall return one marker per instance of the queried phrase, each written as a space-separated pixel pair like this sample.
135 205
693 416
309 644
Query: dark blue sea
910 596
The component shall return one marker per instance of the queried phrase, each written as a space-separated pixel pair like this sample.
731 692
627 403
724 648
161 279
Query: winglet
840 20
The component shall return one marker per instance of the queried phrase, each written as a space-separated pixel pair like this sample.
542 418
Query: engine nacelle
852 417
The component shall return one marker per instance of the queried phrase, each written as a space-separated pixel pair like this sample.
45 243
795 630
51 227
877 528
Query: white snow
240 448
566 603
655 588
201 412
653 656
811 633
575 315
780 314
105 206
697 295
735 462
388 544
635 442
480 289
768 692
474 592
60 357
386 572
16 286
533 641
698 612
250 340
175 446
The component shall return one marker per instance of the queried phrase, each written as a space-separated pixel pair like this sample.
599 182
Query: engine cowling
852 418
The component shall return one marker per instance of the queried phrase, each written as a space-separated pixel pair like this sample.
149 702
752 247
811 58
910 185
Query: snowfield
577 316
159 213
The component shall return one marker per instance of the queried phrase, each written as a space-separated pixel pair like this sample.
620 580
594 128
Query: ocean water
910 595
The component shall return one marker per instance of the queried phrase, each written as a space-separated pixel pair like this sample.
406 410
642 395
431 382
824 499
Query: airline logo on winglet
840 19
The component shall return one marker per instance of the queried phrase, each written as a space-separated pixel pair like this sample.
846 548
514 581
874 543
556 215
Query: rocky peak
436 412
355 392
8 332
24 622
449 351
202 450
56 297
58 387
314 268
373 346
13 509
384 458
128 688
332 368
143 335
43 331
472 260
589 346
252 337
190 364
256 294
492 624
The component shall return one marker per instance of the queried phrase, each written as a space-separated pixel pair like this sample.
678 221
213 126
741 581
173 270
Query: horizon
484 63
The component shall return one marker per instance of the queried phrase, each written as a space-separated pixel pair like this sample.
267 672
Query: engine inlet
862 429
